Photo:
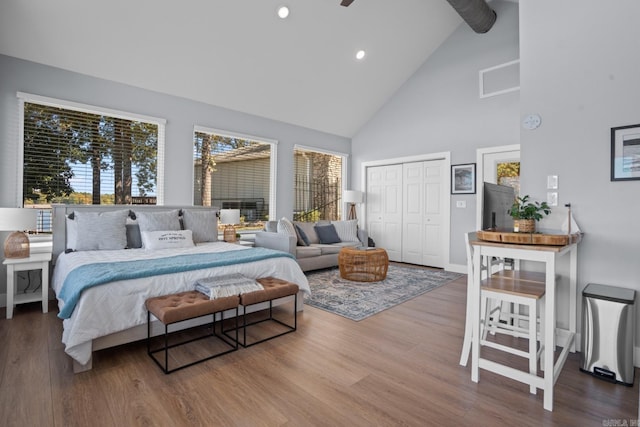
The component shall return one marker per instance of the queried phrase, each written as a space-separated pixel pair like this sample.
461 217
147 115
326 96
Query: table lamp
352 197
229 217
17 220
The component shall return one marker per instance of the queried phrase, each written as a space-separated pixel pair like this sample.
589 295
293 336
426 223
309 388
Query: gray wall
181 115
438 109
580 71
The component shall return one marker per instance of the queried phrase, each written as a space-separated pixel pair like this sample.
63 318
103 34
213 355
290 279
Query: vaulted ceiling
239 54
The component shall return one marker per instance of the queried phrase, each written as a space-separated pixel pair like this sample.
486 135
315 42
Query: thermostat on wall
531 121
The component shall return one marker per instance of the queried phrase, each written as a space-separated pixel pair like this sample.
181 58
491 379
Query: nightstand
37 261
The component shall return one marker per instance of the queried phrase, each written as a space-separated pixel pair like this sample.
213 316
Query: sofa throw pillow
158 221
347 230
309 231
202 223
98 230
327 234
303 240
286 227
169 239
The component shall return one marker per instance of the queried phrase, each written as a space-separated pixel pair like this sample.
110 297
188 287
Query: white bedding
119 305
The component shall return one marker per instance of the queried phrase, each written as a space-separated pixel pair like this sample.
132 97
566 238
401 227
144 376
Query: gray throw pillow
303 240
202 223
158 221
100 230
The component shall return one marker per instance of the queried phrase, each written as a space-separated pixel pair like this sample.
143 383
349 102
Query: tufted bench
175 308
273 289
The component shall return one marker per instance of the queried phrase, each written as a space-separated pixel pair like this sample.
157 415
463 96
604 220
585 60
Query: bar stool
522 292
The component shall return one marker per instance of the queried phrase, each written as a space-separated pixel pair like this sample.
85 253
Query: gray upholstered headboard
60 212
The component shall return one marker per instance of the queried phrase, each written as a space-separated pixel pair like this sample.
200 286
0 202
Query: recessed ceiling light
283 12
360 55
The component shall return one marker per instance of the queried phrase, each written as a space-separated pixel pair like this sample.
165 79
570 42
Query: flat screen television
497 200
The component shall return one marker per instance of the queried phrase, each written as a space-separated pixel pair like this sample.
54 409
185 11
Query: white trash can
608 330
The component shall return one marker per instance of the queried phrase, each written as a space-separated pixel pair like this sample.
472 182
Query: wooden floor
399 367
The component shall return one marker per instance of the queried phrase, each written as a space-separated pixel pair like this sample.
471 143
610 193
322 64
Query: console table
548 255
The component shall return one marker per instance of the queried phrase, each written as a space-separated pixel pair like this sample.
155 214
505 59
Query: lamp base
352 211
17 245
229 234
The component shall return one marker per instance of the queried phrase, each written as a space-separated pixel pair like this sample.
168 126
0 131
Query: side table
362 264
37 261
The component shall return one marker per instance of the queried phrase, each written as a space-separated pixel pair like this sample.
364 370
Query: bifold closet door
384 208
422 201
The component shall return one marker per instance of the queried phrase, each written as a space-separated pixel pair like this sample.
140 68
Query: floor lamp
352 197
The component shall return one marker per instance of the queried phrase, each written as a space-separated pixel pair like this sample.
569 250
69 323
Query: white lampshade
229 216
18 219
352 196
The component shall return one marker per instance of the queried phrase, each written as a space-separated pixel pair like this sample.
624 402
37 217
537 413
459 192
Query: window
317 185
234 172
78 154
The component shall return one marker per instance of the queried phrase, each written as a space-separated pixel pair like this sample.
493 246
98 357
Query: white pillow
286 227
158 221
98 230
347 230
203 224
166 239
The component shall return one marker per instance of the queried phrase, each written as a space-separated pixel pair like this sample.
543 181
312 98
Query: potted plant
526 213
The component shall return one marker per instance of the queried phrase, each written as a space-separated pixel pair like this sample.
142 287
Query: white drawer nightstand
37 261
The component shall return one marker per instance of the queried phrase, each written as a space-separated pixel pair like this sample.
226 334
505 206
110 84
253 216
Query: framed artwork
463 179
625 153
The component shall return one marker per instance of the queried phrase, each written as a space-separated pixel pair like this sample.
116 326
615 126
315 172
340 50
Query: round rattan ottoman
363 264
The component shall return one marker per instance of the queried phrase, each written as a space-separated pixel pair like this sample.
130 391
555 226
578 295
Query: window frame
344 171
92 109
272 165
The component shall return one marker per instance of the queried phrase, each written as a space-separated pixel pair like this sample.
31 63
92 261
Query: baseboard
456 268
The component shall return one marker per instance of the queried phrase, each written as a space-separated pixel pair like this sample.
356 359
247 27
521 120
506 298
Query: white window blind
233 172
75 154
317 185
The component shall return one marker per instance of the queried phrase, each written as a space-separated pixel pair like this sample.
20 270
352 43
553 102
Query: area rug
359 300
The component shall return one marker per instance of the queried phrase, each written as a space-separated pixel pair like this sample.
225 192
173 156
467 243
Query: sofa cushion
347 244
347 230
328 249
327 234
307 251
309 231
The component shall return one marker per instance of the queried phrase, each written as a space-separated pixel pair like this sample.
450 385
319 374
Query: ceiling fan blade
346 3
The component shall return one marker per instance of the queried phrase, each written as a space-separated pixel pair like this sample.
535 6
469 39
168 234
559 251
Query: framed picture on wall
463 179
625 153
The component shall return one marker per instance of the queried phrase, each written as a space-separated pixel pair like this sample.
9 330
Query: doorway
497 165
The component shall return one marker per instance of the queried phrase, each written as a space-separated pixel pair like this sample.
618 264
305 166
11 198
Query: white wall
181 115
438 109
580 70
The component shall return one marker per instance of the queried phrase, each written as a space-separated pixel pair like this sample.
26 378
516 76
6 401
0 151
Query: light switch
461 204
552 182
552 198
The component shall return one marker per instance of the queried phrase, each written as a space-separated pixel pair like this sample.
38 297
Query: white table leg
44 284
11 290
573 298
475 334
549 331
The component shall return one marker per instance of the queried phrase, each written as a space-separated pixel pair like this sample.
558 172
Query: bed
101 288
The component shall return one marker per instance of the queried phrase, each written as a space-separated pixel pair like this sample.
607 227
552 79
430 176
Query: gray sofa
316 255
